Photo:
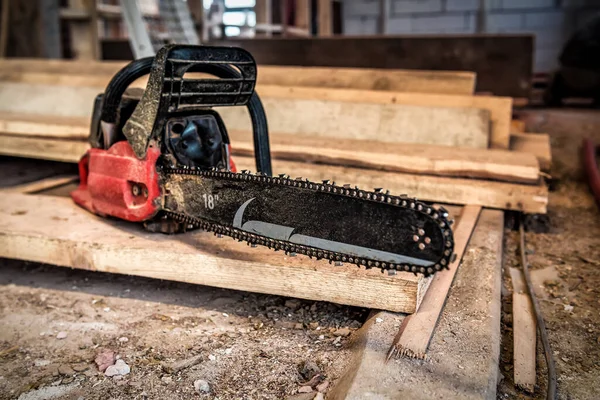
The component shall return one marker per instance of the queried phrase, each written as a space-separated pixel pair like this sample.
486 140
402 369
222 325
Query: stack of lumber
423 133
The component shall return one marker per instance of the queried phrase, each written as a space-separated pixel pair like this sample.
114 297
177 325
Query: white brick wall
400 25
526 4
416 6
361 26
440 24
504 22
551 21
461 5
545 19
360 8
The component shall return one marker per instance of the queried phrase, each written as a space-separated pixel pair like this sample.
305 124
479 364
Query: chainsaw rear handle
116 88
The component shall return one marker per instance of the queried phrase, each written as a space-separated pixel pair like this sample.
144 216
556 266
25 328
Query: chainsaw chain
440 216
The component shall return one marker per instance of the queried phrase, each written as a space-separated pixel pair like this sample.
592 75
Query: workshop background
480 117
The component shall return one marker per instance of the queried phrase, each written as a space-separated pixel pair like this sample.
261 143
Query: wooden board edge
500 108
364 337
409 159
98 74
537 144
46 149
42 184
417 332
526 198
524 334
144 258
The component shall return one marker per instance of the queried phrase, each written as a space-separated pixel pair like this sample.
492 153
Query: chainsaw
161 157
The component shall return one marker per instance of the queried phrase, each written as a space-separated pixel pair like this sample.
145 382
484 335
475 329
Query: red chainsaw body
115 182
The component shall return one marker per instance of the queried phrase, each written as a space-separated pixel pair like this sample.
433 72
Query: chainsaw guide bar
303 217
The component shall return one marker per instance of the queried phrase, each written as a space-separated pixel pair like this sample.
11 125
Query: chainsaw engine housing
135 133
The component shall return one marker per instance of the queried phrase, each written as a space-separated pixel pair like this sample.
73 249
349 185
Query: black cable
551 390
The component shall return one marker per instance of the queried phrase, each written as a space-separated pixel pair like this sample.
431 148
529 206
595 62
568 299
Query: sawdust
249 345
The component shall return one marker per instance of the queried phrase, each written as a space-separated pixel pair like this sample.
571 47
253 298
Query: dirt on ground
564 264
228 344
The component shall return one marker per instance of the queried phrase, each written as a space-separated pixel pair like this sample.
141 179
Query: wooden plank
445 82
44 126
503 63
517 126
409 158
443 161
45 149
465 348
42 184
524 334
392 123
324 12
78 73
537 144
61 66
417 330
303 13
55 231
500 108
419 159
502 195
62 101
84 33
467 127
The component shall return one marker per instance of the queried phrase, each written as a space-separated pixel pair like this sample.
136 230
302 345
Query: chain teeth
440 216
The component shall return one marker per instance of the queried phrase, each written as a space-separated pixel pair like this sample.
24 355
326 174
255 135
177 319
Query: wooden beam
45 149
537 144
391 123
417 330
325 18
78 73
42 184
503 63
517 126
304 15
502 195
54 230
44 126
524 334
84 33
494 164
333 117
500 108
465 348
418 159
443 82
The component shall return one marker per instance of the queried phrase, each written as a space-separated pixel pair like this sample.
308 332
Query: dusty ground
250 346
565 264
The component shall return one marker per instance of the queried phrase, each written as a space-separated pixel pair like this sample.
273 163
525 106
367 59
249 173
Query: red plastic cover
115 182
